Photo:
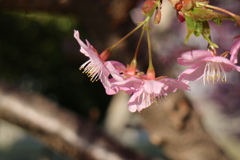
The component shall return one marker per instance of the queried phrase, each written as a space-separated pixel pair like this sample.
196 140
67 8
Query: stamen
91 70
204 74
150 98
214 72
224 77
85 64
218 75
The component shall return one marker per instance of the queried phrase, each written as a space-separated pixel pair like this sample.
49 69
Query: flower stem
130 33
218 9
133 65
149 47
138 45
150 71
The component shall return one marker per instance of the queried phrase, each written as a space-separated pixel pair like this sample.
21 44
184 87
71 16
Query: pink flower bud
180 16
158 15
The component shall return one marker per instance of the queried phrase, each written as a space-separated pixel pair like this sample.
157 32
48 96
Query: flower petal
135 102
234 51
129 85
153 87
226 63
192 74
193 57
83 45
174 85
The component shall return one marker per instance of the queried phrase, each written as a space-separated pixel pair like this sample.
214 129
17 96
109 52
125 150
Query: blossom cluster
146 88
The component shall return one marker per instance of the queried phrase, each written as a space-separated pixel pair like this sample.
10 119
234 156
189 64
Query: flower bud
148 6
180 16
158 15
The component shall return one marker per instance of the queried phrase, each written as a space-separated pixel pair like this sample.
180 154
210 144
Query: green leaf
197 23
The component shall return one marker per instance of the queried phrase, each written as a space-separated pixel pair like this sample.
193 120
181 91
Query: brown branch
59 128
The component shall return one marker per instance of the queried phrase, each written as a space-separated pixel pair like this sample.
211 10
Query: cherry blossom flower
96 67
110 73
143 90
207 65
152 90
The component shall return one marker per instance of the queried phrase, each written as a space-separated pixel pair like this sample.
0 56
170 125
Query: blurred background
38 54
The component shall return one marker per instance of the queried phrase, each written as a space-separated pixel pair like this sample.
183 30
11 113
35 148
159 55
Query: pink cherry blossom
144 90
205 64
152 90
95 67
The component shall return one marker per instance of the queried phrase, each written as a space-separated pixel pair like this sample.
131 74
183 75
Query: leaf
203 14
190 28
197 23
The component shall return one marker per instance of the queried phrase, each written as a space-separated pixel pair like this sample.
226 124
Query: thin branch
59 128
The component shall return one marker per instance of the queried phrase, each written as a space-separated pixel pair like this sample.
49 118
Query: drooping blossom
208 66
146 91
96 67
152 90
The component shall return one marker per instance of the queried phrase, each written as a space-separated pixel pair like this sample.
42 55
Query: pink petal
226 63
114 68
193 57
134 102
129 85
146 95
83 45
192 74
140 101
234 51
153 86
175 84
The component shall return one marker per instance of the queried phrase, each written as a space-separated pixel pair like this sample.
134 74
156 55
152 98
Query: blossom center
91 70
214 72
